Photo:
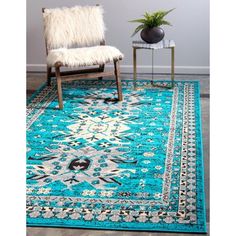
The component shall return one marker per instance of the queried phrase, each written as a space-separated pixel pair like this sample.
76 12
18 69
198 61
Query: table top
165 43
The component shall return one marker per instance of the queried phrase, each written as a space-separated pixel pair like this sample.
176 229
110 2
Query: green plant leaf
147 15
140 27
138 21
165 22
167 12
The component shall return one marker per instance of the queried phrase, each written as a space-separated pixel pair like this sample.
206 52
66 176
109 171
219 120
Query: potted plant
151 32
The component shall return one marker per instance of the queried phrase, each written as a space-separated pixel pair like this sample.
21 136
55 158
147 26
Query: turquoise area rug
102 164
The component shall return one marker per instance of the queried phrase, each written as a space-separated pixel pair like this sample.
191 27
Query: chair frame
99 73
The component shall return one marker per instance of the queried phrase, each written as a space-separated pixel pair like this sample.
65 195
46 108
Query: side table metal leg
152 66
152 81
134 69
172 66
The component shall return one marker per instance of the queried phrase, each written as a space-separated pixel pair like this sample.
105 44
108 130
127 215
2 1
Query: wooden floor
34 80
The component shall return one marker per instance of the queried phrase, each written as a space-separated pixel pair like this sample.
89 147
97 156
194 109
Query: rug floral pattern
131 165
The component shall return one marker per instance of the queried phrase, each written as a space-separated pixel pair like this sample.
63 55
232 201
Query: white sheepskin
86 56
77 26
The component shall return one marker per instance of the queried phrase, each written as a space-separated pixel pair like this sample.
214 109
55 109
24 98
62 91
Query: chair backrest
73 27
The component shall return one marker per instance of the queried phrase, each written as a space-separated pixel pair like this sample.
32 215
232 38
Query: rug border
202 157
117 229
203 195
35 93
44 84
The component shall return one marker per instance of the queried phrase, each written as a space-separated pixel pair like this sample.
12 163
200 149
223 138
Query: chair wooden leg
118 81
59 89
101 67
49 70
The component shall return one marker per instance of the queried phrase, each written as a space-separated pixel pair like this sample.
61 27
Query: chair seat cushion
86 56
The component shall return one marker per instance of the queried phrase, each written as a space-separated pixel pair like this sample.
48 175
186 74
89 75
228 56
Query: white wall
190 31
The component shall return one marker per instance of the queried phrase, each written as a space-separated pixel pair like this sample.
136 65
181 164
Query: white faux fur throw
73 27
86 56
